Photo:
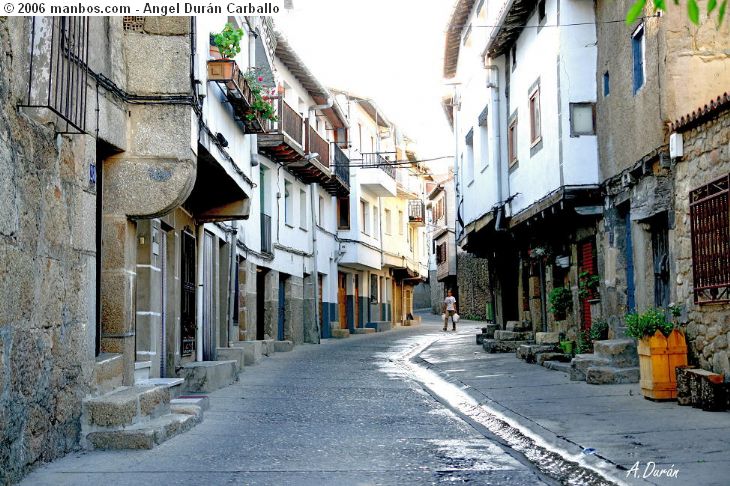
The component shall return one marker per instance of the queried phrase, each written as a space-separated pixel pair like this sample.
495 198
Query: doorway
208 301
587 253
660 257
260 302
342 299
280 333
356 303
187 298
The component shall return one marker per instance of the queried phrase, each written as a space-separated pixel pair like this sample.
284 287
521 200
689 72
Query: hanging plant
228 41
588 285
261 104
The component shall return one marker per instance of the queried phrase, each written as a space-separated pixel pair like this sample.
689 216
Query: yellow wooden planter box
658 356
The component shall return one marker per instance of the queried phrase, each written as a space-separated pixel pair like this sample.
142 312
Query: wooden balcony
226 74
339 184
292 142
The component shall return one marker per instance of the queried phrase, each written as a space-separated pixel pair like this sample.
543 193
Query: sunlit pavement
613 423
344 412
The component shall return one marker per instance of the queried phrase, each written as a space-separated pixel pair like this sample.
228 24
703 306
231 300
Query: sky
389 50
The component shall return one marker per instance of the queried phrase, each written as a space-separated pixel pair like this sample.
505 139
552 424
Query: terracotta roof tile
702 113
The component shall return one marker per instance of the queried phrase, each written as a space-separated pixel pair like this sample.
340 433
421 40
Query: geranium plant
561 301
645 324
228 41
588 285
261 104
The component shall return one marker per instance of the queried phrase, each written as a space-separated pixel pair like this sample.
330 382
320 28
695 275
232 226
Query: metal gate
187 300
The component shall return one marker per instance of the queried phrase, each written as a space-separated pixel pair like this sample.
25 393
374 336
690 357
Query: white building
523 119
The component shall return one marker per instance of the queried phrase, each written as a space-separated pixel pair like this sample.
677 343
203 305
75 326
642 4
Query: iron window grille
710 229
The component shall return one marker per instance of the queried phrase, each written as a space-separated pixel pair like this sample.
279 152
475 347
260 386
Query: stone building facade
474 292
703 173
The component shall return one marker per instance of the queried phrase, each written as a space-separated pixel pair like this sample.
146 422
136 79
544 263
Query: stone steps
529 352
108 373
494 346
145 435
252 351
341 333
364 330
500 335
283 346
232 354
557 366
609 375
174 385
208 376
380 326
126 406
614 361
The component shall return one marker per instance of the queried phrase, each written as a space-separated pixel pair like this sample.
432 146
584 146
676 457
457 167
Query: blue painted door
282 307
629 254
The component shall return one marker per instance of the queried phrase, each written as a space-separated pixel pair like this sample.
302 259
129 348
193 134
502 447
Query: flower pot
658 358
222 70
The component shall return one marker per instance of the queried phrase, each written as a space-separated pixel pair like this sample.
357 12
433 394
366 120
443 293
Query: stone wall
473 286
438 291
706 158
47 274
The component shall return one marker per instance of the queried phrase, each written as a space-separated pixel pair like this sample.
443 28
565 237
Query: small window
373 288
401 222
320 213
541 15
469 168
376 222
535 129
388 223
513 56
582 119
365 217
512 142
638 51
343 213
606 84
302 209
288 204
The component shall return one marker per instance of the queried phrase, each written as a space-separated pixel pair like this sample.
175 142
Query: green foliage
599 330
693 10
561 301
588 285
261 106
583 343
640 325
228 41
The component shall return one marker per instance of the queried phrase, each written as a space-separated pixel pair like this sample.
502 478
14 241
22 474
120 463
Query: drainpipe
314 190
502 175
232 280
200 237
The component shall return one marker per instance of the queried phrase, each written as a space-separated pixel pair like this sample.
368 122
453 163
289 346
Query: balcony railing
341 164
317 144
266 233
232 82
377 160
416 211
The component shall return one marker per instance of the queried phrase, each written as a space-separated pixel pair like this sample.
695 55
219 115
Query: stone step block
143 436
494 346
621 352
201 401
232 354
512 336
174 385
380 326
342 333
490 328
611 375
541 358
529 352
208 376
126 406
547 337
283 346
267 347
481 337
108 373
252 351
557 366
364 330
518 326
582 362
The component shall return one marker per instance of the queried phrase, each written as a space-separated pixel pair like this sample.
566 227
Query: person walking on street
449 308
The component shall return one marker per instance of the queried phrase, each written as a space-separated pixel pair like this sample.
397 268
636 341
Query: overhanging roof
316 90
370 107
511 23
452 46
447 103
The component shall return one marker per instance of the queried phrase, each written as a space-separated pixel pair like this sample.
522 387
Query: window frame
365 217
638 41
581 104
288 204
343 211
535 115
303 210
512 157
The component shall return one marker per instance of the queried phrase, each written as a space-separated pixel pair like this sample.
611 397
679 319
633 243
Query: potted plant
561 302
262 107
583 343
662 347
599 330
588 286
225 45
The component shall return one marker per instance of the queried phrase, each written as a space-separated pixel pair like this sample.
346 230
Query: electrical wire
572 24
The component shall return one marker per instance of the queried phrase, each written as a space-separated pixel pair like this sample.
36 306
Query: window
469 164
535 130
512 142
388 223
365 217
638 50
438 209
320 212
373 288
709 209
288 204
302 209
513 56
606 84
441 253
484 138
412 236
541 15
401 222
343 213
481 11
376 222
582 119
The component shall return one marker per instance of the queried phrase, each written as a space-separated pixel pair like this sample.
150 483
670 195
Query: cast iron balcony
226 74
416 212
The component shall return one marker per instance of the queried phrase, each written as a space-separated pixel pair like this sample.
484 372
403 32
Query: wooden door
356 303
187 298
342 299
321 300
587 264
